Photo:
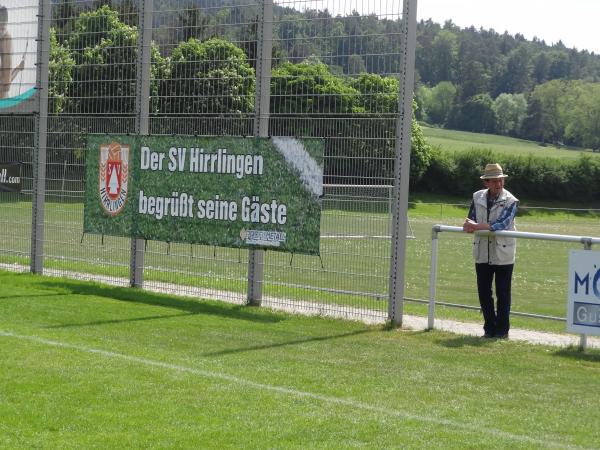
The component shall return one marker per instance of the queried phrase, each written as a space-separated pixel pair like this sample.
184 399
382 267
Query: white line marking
473 428
353 236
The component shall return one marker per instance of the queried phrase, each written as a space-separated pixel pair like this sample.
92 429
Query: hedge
530 177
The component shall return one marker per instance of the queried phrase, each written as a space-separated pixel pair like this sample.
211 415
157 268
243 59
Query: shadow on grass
575 353
115 321
287 343
465 341
190 306
11 297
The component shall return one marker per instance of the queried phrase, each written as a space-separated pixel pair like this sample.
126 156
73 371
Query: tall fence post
40 139
261 129
402 161
146 10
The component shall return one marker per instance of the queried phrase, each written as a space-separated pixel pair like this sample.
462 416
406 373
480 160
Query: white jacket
495 250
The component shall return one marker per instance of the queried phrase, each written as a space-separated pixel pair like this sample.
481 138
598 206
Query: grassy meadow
86 365
352 270
452 140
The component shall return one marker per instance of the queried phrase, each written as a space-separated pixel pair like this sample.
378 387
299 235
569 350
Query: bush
530 177
440 173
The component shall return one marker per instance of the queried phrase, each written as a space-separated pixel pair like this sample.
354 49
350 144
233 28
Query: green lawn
91 366
352 271
452 140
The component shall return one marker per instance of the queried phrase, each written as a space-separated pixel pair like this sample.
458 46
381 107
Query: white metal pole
586 241
432 278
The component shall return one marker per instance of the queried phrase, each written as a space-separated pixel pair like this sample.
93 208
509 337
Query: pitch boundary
474 428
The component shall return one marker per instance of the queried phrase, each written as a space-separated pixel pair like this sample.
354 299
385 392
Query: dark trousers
496 322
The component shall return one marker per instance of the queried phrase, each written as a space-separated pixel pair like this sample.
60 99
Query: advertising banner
10 177
18 55
223 191
583 310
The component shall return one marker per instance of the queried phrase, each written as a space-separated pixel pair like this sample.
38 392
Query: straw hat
493 171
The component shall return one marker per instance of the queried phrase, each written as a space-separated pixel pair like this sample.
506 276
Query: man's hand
469 226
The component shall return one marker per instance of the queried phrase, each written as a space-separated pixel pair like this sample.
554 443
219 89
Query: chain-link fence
334 71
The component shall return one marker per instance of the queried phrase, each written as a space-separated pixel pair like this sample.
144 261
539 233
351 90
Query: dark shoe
502 336
488 336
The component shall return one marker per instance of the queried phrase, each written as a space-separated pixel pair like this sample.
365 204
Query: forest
467 79
333 78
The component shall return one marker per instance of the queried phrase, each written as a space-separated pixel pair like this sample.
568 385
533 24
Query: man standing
493 209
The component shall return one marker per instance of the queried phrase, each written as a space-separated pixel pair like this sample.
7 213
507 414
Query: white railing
587 243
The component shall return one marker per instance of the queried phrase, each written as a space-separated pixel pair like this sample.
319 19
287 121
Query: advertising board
583 305
223 191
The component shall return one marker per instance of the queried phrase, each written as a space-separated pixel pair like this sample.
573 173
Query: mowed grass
353 269
91 366
453 140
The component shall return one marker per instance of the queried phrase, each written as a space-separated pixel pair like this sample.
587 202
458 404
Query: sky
574 22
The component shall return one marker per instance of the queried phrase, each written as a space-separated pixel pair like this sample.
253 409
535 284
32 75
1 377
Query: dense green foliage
459 70
470 79
210 77
93 69
214 78
530 177
482 63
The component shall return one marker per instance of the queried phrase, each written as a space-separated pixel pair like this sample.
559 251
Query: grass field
353 270
90 366
452 140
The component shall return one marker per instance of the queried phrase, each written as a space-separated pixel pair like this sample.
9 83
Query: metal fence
217 67
318 68
585 241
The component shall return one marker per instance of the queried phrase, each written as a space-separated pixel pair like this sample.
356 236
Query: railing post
587 245
433 276
146 10
261 129
402 162
41 139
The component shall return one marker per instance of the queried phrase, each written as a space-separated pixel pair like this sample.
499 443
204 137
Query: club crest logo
113 174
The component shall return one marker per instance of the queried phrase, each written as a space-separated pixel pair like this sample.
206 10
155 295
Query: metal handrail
586 241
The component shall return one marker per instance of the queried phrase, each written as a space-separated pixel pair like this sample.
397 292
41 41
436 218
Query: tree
421 153
445 52
516 76
546 116
379 99
476 115
541 67
60 74
212 77
440 101
583 122
559 65
356 65
104 75
309 88
193 23
511 111
378 95
473 79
